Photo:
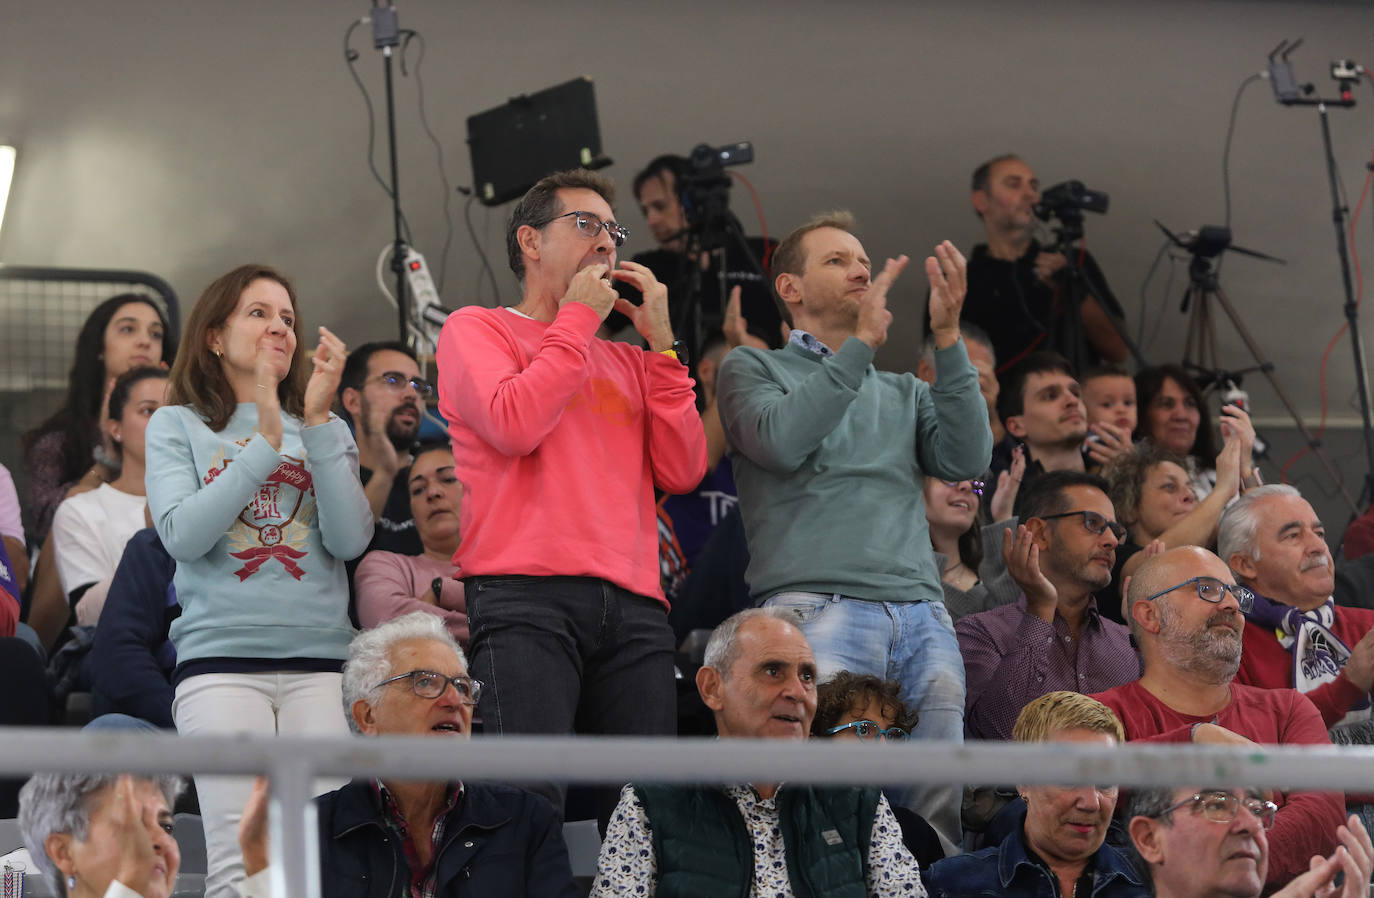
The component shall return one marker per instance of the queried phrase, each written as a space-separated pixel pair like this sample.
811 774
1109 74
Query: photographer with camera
683 200
1019 290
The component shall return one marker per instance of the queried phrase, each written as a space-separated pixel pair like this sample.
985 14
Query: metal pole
398 251
295 831
1352 312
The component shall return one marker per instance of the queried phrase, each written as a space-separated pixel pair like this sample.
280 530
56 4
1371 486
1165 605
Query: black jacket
497 840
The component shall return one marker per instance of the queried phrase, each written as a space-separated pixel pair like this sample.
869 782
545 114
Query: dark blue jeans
558 655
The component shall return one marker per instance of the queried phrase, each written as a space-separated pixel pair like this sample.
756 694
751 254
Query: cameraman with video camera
1020 291
683 199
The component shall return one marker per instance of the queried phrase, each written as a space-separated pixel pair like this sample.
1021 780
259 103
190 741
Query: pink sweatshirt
559 440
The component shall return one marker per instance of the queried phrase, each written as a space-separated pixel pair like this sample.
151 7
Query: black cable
481 253
1168 285
1144 285
438 151
1226 152
350 57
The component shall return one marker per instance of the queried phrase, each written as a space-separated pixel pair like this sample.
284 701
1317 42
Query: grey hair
62 802
722 649
1239 527
369 655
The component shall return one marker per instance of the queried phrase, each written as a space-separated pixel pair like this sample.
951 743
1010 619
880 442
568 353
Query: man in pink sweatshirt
559 439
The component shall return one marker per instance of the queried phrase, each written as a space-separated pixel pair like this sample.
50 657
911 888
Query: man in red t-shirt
1296 636
1186 618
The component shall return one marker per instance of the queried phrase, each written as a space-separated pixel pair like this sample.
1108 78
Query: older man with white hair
430 839
1296 636
759 680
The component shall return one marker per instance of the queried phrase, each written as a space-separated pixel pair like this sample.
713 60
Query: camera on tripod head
1067 202
1070 199
705 190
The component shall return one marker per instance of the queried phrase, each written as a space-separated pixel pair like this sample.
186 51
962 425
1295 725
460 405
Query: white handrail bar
293 762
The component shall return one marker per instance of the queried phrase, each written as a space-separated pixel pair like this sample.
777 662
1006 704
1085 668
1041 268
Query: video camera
1070 198
705 190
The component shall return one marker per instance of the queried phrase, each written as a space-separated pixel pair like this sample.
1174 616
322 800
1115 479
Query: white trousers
260 703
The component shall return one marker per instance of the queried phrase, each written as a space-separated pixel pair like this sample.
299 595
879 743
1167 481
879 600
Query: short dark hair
847 691
355 366
1012 400
124 385
1149 383
667 164
540 203
982 175
1048 494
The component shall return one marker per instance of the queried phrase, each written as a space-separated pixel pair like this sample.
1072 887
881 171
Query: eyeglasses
590 224
867 729
428 684
1093 522
396 381
1210 589
1222 807
976 484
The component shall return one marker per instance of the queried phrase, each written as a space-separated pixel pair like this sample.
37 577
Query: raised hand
1229 463
1008 485
650 317
874 318
324 380
132 827
592 288
1111 441
735 328
1022 556
948 274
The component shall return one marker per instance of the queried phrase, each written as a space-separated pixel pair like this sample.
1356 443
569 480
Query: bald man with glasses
1053 637
1186 616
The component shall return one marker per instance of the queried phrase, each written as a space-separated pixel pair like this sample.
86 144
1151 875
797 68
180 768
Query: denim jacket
1007 871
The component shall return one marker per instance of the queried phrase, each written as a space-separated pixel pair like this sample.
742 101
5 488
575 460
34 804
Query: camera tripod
1200 342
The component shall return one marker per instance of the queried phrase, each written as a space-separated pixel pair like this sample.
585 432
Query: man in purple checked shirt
1053 637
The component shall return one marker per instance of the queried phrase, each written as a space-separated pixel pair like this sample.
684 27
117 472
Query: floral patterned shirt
627 865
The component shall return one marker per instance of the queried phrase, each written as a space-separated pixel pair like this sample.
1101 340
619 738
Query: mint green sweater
829 457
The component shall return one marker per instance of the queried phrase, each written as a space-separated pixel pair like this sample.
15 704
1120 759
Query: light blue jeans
910 642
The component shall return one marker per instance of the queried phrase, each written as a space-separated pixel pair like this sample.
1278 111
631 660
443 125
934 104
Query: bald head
1175 566
1179 629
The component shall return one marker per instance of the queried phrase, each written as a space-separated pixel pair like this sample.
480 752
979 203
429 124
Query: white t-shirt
10 523
89 531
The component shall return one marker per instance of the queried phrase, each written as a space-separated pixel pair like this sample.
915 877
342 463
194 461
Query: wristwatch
678 351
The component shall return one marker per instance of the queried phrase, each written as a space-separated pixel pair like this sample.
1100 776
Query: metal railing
294 762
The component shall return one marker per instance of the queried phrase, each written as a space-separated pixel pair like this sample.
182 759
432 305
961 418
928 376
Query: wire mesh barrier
293 762
41 313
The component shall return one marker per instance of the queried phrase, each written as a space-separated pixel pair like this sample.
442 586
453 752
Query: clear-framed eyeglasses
430 684
589 224
1220 806
868 729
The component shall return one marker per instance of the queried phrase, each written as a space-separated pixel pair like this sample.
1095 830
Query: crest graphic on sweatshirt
275 524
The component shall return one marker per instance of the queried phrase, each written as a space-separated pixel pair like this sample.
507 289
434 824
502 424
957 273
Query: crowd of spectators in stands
969 552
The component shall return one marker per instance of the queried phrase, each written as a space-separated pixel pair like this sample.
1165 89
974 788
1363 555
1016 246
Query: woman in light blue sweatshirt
253 487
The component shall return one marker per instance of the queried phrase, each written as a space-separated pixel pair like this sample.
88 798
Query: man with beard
1053 638
1186 618
382 395
559 440
1296 636
1214 843
1016 288
830 458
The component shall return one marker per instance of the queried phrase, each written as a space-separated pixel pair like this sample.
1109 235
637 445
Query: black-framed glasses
396 381
976 484
1210 589
430 684
1222 807
1093 522
867 729
589 224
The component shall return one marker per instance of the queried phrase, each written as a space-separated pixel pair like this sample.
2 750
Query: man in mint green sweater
830 457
